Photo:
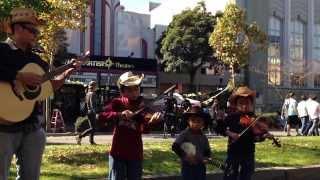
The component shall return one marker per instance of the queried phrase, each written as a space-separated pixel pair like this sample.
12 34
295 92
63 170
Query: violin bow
209 100
250 125
275 140
157 98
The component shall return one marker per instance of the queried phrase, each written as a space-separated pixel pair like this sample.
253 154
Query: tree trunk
233 79
192 75
246 75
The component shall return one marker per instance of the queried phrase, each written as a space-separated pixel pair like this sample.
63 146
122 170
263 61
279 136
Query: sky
141 6
169 8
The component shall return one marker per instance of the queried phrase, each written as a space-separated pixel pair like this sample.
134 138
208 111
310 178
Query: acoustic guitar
18 99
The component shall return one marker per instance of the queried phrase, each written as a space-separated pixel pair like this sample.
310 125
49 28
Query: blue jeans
124 169
246 165
304 125
28 148
314 128
91 129
193 172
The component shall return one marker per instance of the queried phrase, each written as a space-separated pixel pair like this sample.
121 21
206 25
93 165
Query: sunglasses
32 30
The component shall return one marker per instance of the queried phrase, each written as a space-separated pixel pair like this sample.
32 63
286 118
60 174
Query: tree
7 5
58 14
158 44
185 44
61 54
64 15
233 39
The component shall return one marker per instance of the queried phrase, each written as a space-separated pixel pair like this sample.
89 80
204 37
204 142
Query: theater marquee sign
109 64
103 68
122 63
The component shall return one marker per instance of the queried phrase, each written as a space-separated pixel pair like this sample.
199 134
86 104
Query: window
316 42
274 51
297 41
317 80
297 79
296 51
144 49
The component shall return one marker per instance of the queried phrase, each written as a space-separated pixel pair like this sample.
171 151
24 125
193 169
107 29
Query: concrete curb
274 173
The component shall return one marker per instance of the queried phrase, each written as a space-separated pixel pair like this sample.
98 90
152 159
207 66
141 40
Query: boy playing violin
241 143
126 154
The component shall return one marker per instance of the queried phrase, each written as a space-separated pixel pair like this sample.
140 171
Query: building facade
118 41
112 31
292 58
291 61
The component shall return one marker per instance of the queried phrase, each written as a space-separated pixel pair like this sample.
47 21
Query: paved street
106 139
99 139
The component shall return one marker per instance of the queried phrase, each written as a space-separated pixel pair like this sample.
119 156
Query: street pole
108 86
47 103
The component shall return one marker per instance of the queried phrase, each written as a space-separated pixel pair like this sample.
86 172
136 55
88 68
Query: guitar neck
55 72
61 69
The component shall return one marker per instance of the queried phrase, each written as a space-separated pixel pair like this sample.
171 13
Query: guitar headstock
80 60
84 57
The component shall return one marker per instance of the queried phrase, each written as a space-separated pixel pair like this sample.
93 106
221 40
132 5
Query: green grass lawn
74 162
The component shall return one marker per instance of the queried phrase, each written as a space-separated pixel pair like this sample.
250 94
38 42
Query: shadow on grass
57 175
57 144
79 158
165 162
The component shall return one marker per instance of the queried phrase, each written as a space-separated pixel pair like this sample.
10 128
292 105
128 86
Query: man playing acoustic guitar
26 139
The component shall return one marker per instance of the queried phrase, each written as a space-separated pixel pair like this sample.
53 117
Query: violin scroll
275 141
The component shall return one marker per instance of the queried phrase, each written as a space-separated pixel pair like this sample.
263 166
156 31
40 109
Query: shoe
78 139
93 143
299 134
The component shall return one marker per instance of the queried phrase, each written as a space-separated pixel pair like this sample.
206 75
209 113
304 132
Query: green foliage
233 38
61 54
41 6
64 15
57 14
184 44
158 44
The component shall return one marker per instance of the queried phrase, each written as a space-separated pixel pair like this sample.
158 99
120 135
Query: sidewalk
106 138
274 173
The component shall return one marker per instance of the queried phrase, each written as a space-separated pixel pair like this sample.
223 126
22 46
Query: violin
139 108
259 126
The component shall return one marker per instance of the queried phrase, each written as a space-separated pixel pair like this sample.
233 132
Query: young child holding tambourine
192 146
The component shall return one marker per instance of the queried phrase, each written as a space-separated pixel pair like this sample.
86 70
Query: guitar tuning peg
87 53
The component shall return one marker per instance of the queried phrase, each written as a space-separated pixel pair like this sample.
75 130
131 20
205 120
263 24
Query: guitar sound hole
32 87
32 92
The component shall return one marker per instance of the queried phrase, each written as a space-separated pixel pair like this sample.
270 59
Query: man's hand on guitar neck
75 66
58 81
29 78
